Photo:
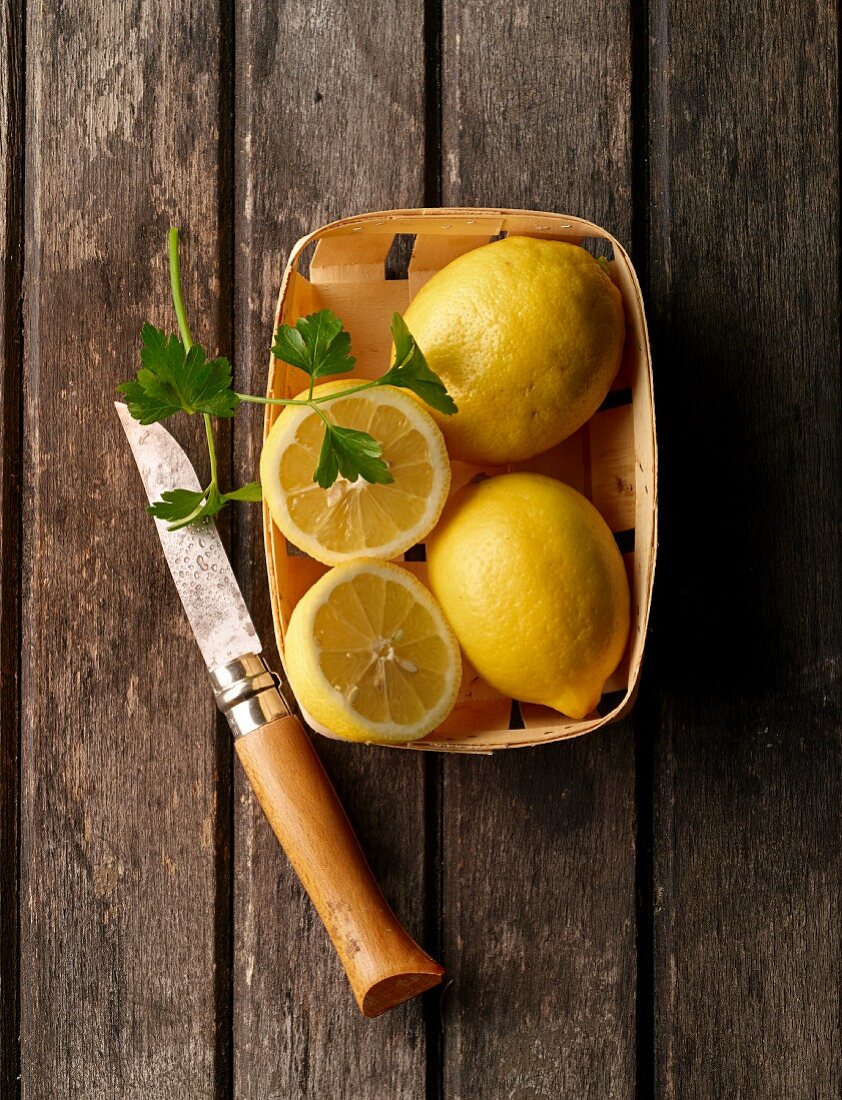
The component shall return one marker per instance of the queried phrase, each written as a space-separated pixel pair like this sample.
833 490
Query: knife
384 965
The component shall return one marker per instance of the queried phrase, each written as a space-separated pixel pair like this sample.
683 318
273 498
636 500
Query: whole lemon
531 580
527 335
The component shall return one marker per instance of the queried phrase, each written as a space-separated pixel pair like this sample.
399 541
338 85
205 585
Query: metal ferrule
248 694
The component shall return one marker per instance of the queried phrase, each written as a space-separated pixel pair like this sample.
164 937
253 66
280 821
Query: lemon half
356 519
370 656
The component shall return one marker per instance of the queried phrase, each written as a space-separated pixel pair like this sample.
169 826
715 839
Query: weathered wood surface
745 309
539 845
166 949
11 255
124 899
330 121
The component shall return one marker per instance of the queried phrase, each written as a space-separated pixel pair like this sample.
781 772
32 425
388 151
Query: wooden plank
539 846
745 292
124 804
11 250
346 81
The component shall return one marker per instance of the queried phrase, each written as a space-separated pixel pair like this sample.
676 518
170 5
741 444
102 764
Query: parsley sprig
177 376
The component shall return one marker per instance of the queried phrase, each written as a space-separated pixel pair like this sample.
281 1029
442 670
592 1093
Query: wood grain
11 252
539 845
330 121
745 295
123 790
125 794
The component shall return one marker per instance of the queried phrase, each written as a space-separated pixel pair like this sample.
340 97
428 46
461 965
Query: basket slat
366 309
433 252
611 466
612 459
351 259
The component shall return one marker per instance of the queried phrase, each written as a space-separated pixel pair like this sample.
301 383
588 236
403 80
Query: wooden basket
612 459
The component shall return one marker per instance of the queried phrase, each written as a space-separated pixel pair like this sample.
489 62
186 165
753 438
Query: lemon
527 335
531 580
356 519
370 656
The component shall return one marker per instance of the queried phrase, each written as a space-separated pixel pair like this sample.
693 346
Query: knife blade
198 563
384 964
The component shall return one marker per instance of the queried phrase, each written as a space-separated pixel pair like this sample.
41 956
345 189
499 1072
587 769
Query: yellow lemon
527 335
370 656
531 580
356 519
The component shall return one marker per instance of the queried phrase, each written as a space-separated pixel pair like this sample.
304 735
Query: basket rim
544 734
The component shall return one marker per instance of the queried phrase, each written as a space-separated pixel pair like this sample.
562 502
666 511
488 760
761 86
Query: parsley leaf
178 507
176 376
251 492
173 380
410 371
351 453
318 345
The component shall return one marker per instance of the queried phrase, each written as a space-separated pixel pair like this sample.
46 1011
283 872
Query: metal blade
195 554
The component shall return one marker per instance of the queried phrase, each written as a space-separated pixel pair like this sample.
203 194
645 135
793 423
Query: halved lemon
355 519
370 655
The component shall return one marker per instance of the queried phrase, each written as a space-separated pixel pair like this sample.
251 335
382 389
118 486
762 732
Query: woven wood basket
612 459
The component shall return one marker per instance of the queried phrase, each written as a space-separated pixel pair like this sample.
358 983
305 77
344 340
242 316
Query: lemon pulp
370 656
353 519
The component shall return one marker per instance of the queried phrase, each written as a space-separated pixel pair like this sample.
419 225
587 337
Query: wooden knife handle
384 965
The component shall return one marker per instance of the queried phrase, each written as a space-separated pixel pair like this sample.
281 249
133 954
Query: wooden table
650 911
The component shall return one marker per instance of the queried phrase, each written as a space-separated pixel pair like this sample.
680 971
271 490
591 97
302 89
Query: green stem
211 448
187 340
177 296
344 393
251 399
314 401
316 409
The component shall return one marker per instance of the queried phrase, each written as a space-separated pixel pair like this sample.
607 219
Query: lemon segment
527 335
370 656
353 519
532 582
